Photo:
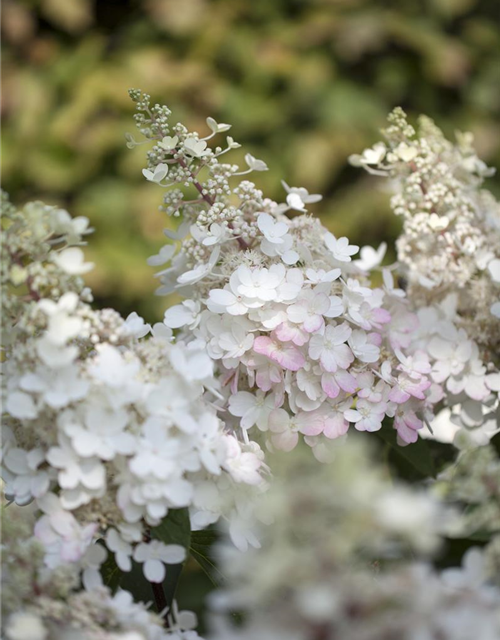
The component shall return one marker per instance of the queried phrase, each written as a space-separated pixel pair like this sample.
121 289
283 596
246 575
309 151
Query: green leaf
417 454
175 528
111 573
202 552
204 538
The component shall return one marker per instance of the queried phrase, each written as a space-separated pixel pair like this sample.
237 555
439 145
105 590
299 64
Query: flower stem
160 601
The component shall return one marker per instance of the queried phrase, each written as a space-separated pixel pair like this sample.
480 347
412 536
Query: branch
207 198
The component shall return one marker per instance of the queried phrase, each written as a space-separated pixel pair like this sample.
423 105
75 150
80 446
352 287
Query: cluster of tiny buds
399 126
195 251
250 195
172 200
248 230
219 213
217 186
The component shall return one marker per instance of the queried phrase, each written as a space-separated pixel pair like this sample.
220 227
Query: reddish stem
207 198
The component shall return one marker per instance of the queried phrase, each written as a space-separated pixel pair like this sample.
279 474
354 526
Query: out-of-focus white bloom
254 164
471 575
371 258
25 480
244 466
370 158
163 256
121 549
108 430
72 261
298 197
309 571
24 625
494 269
135 325
217 127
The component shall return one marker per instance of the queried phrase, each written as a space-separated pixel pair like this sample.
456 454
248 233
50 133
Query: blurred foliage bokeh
304 83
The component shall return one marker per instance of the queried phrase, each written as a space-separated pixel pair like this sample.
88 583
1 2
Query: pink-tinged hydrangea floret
286 355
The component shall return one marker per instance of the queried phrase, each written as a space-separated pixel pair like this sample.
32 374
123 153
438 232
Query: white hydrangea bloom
449 253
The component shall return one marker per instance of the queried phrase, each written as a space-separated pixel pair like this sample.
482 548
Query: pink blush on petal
287 355
290 358
335 426
329 385
313 324
381 315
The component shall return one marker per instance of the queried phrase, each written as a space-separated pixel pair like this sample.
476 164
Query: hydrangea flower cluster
41 604
106 430
449 253
353 562
304 345
113 428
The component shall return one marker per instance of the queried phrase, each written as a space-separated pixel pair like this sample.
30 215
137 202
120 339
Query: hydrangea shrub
128 449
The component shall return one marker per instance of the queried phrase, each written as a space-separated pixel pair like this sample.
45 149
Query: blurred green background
304 83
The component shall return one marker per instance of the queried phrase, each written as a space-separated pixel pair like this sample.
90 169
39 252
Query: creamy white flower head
371 258
24 625
252 408
494 269
159 173
169 142
406 152
272 230
196 148
298 197
121 548
320 275
72 261
25 480
217 127
21 405
136 326
471 575
370 158
340 248
254 164
164 255
217 233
